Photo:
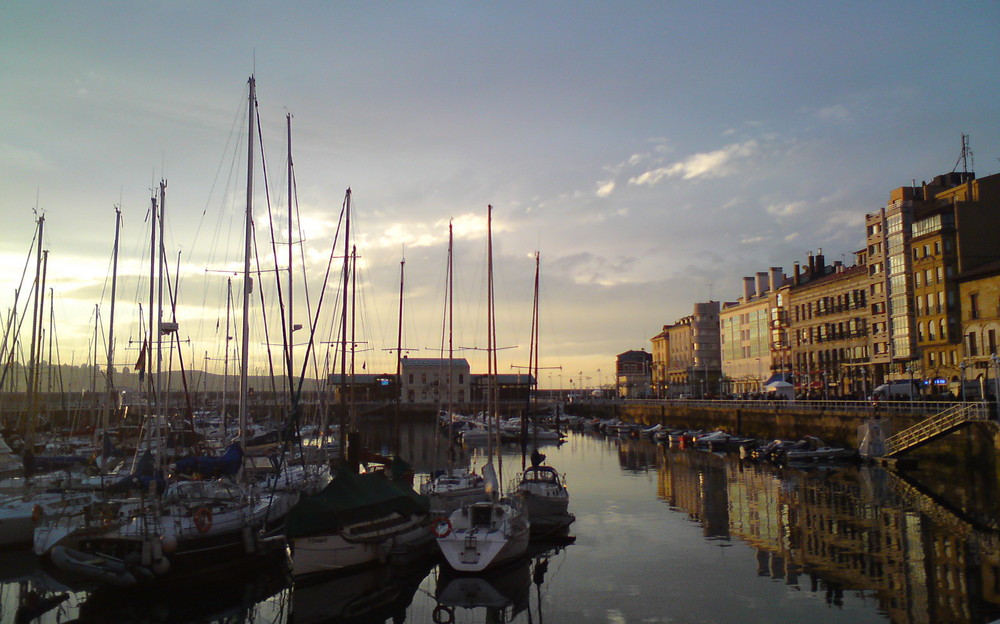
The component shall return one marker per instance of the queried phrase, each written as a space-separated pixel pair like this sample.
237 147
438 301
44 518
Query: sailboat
191 526
483 535
542 487
357 519
453 486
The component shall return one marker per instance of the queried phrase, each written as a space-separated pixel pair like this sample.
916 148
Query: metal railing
936 426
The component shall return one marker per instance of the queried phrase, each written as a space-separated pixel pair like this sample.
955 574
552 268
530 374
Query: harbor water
661 535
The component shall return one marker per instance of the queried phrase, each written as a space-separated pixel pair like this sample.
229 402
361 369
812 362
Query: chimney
776 278
821 262
747 289
796 277
838 266
812 264
761 283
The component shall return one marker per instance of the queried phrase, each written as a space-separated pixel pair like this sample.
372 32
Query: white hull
484 535
335 552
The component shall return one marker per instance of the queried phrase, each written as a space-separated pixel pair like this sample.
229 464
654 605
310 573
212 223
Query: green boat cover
351 498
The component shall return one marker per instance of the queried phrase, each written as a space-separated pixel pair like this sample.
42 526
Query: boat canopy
349 499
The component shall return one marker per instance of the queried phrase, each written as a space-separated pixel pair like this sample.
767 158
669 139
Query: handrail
935 426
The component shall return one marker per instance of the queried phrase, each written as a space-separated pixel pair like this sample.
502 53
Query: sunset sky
653 153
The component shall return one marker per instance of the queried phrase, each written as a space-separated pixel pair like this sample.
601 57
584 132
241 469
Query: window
461 379
974 306
916 280
930 330
991 341
970 344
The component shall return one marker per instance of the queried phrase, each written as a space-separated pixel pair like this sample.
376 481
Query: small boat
547 500
450 488
357 520
483 535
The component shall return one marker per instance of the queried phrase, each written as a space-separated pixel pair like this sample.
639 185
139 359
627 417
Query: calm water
662 535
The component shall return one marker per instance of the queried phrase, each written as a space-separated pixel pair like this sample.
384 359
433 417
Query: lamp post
909 369
996 381
599 383
962 367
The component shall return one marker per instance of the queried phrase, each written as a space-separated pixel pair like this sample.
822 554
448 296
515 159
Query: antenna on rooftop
966 156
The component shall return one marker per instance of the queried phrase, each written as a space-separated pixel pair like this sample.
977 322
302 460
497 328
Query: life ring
37 513
443 614
203 519
436 527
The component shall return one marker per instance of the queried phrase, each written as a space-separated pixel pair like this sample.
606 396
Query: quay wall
979 441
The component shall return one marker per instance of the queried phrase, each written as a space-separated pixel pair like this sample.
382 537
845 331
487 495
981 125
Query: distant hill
67 378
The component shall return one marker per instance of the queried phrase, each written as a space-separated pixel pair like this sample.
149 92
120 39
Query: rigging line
20 287
263 308
285 338
319 304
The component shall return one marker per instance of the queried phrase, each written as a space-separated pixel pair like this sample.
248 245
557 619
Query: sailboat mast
451 321
399 356
343 328
491 407
247 280
109 378
35 319
291 296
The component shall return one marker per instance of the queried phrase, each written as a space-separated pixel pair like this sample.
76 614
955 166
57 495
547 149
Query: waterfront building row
921 301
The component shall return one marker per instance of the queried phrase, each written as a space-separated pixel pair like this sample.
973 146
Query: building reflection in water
862 529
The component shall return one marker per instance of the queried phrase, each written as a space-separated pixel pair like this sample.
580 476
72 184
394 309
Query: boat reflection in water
377 594
502 594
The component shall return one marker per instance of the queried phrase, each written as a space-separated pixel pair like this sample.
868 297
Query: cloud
837 112
14 155
790 237
750 240
605 188
715 164
786 209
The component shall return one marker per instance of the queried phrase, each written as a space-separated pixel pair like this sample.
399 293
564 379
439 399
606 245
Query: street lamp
909 369
996 380
962 367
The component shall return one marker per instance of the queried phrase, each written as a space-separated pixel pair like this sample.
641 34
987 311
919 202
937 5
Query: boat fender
443 614
441 527
160 566
37 513
203 519
169 543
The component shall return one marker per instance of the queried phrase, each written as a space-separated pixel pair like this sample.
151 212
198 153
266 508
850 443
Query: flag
140 364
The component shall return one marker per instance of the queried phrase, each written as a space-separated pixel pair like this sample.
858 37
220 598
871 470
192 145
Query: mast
109 385
160 252
225 359
33 396
291 296
343 329
247 280
492 414
399 357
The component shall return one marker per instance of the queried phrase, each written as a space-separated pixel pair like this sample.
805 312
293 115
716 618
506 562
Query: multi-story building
661 361
979 294
954 233
426 380
680 357
746 337
828 328
892 339
694 353
632 370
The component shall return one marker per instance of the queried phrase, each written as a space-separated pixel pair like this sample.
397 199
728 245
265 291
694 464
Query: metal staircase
935 427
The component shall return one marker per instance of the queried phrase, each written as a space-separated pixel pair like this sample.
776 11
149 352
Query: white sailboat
453 486
542 487
484 535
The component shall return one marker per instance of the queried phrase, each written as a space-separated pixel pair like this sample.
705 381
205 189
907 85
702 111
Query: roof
435 362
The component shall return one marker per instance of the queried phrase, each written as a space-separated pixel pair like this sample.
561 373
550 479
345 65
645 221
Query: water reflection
770 544
856 528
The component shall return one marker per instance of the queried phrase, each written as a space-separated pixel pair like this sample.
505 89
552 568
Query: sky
651 153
